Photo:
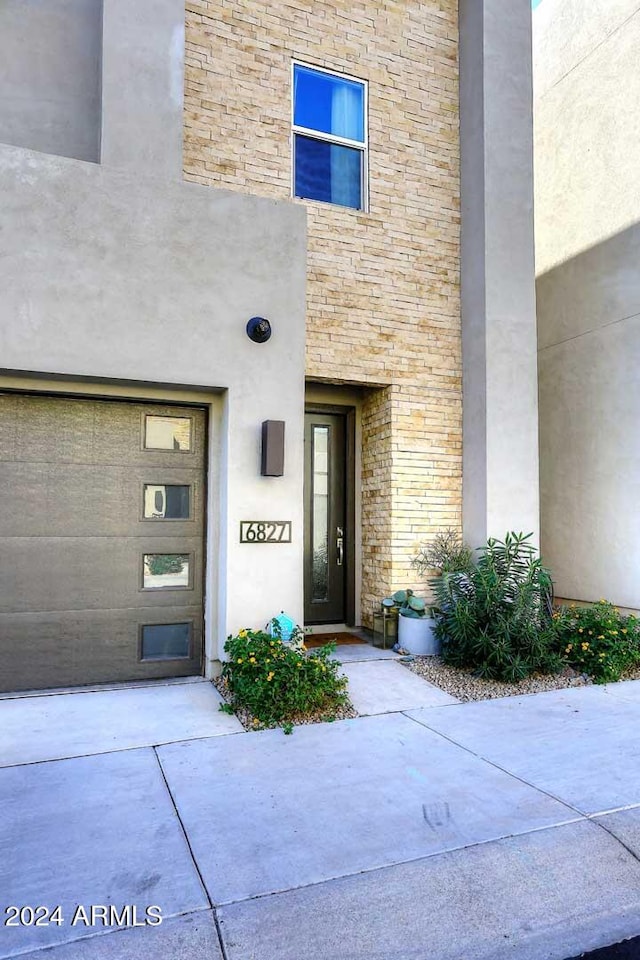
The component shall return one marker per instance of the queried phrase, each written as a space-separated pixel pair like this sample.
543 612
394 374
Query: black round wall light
258 329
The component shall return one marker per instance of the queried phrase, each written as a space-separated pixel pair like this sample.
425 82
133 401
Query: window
320 520
162 570
329 137
165 641
167 433
167 501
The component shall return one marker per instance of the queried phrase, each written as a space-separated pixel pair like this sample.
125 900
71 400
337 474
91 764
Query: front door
325 518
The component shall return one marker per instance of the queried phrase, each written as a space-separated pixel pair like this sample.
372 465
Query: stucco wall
383 306
500 438
587 124
589 412
50 73
142 86
98 80
587 83
106 275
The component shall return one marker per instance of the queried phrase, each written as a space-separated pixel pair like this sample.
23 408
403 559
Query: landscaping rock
466 687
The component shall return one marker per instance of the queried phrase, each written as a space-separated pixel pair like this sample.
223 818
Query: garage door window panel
168 433
167 501
166 641
166 571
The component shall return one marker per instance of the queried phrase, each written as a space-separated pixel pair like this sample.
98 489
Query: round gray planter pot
416 635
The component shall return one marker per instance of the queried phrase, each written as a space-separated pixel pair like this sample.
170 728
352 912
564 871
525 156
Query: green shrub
277 682
495 618
597 640
446 553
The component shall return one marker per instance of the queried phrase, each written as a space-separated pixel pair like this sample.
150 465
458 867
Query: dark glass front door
325 547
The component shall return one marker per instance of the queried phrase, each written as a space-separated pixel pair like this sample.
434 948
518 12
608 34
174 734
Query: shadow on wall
51 86
589 388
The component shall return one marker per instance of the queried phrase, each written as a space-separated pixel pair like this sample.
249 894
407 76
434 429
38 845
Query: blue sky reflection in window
331 109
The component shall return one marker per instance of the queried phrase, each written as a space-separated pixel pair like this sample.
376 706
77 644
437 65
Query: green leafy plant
408 604
280 683
597 640
495 617
446 553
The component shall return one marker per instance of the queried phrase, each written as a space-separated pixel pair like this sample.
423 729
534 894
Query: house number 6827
265 531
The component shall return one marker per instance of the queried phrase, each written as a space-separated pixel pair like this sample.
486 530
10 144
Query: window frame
361 145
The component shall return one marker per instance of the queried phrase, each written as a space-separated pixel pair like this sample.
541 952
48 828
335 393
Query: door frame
349 414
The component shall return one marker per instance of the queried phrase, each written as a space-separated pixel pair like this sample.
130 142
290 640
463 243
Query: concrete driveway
504 829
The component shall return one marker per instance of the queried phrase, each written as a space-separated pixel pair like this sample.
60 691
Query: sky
535 3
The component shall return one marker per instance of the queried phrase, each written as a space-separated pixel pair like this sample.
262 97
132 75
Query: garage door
101 541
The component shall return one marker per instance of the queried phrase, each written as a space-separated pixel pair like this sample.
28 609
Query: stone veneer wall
383 286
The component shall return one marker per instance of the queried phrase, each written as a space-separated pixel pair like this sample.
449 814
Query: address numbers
265 531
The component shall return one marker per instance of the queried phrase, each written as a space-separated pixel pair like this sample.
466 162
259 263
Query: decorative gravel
249 722
463 685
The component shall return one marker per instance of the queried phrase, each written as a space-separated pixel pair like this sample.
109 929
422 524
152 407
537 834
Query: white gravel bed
463 685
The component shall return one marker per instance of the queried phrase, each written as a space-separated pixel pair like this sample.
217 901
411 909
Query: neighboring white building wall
587 131
587 124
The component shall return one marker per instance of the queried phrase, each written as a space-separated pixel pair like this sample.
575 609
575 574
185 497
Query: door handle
340 545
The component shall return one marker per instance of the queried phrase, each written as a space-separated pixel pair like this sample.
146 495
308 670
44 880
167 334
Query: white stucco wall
587 124
587 136
500 416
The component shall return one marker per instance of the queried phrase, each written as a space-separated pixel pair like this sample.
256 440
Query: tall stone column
500 381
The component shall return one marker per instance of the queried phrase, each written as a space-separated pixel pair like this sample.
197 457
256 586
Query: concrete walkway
385 686
503 829
355 652
86 722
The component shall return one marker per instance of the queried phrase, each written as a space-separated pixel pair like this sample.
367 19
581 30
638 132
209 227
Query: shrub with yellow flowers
279 682
597 640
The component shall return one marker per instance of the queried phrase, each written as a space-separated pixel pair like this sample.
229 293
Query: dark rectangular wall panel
273 448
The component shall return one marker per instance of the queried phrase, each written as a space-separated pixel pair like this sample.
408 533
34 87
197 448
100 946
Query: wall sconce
272 448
